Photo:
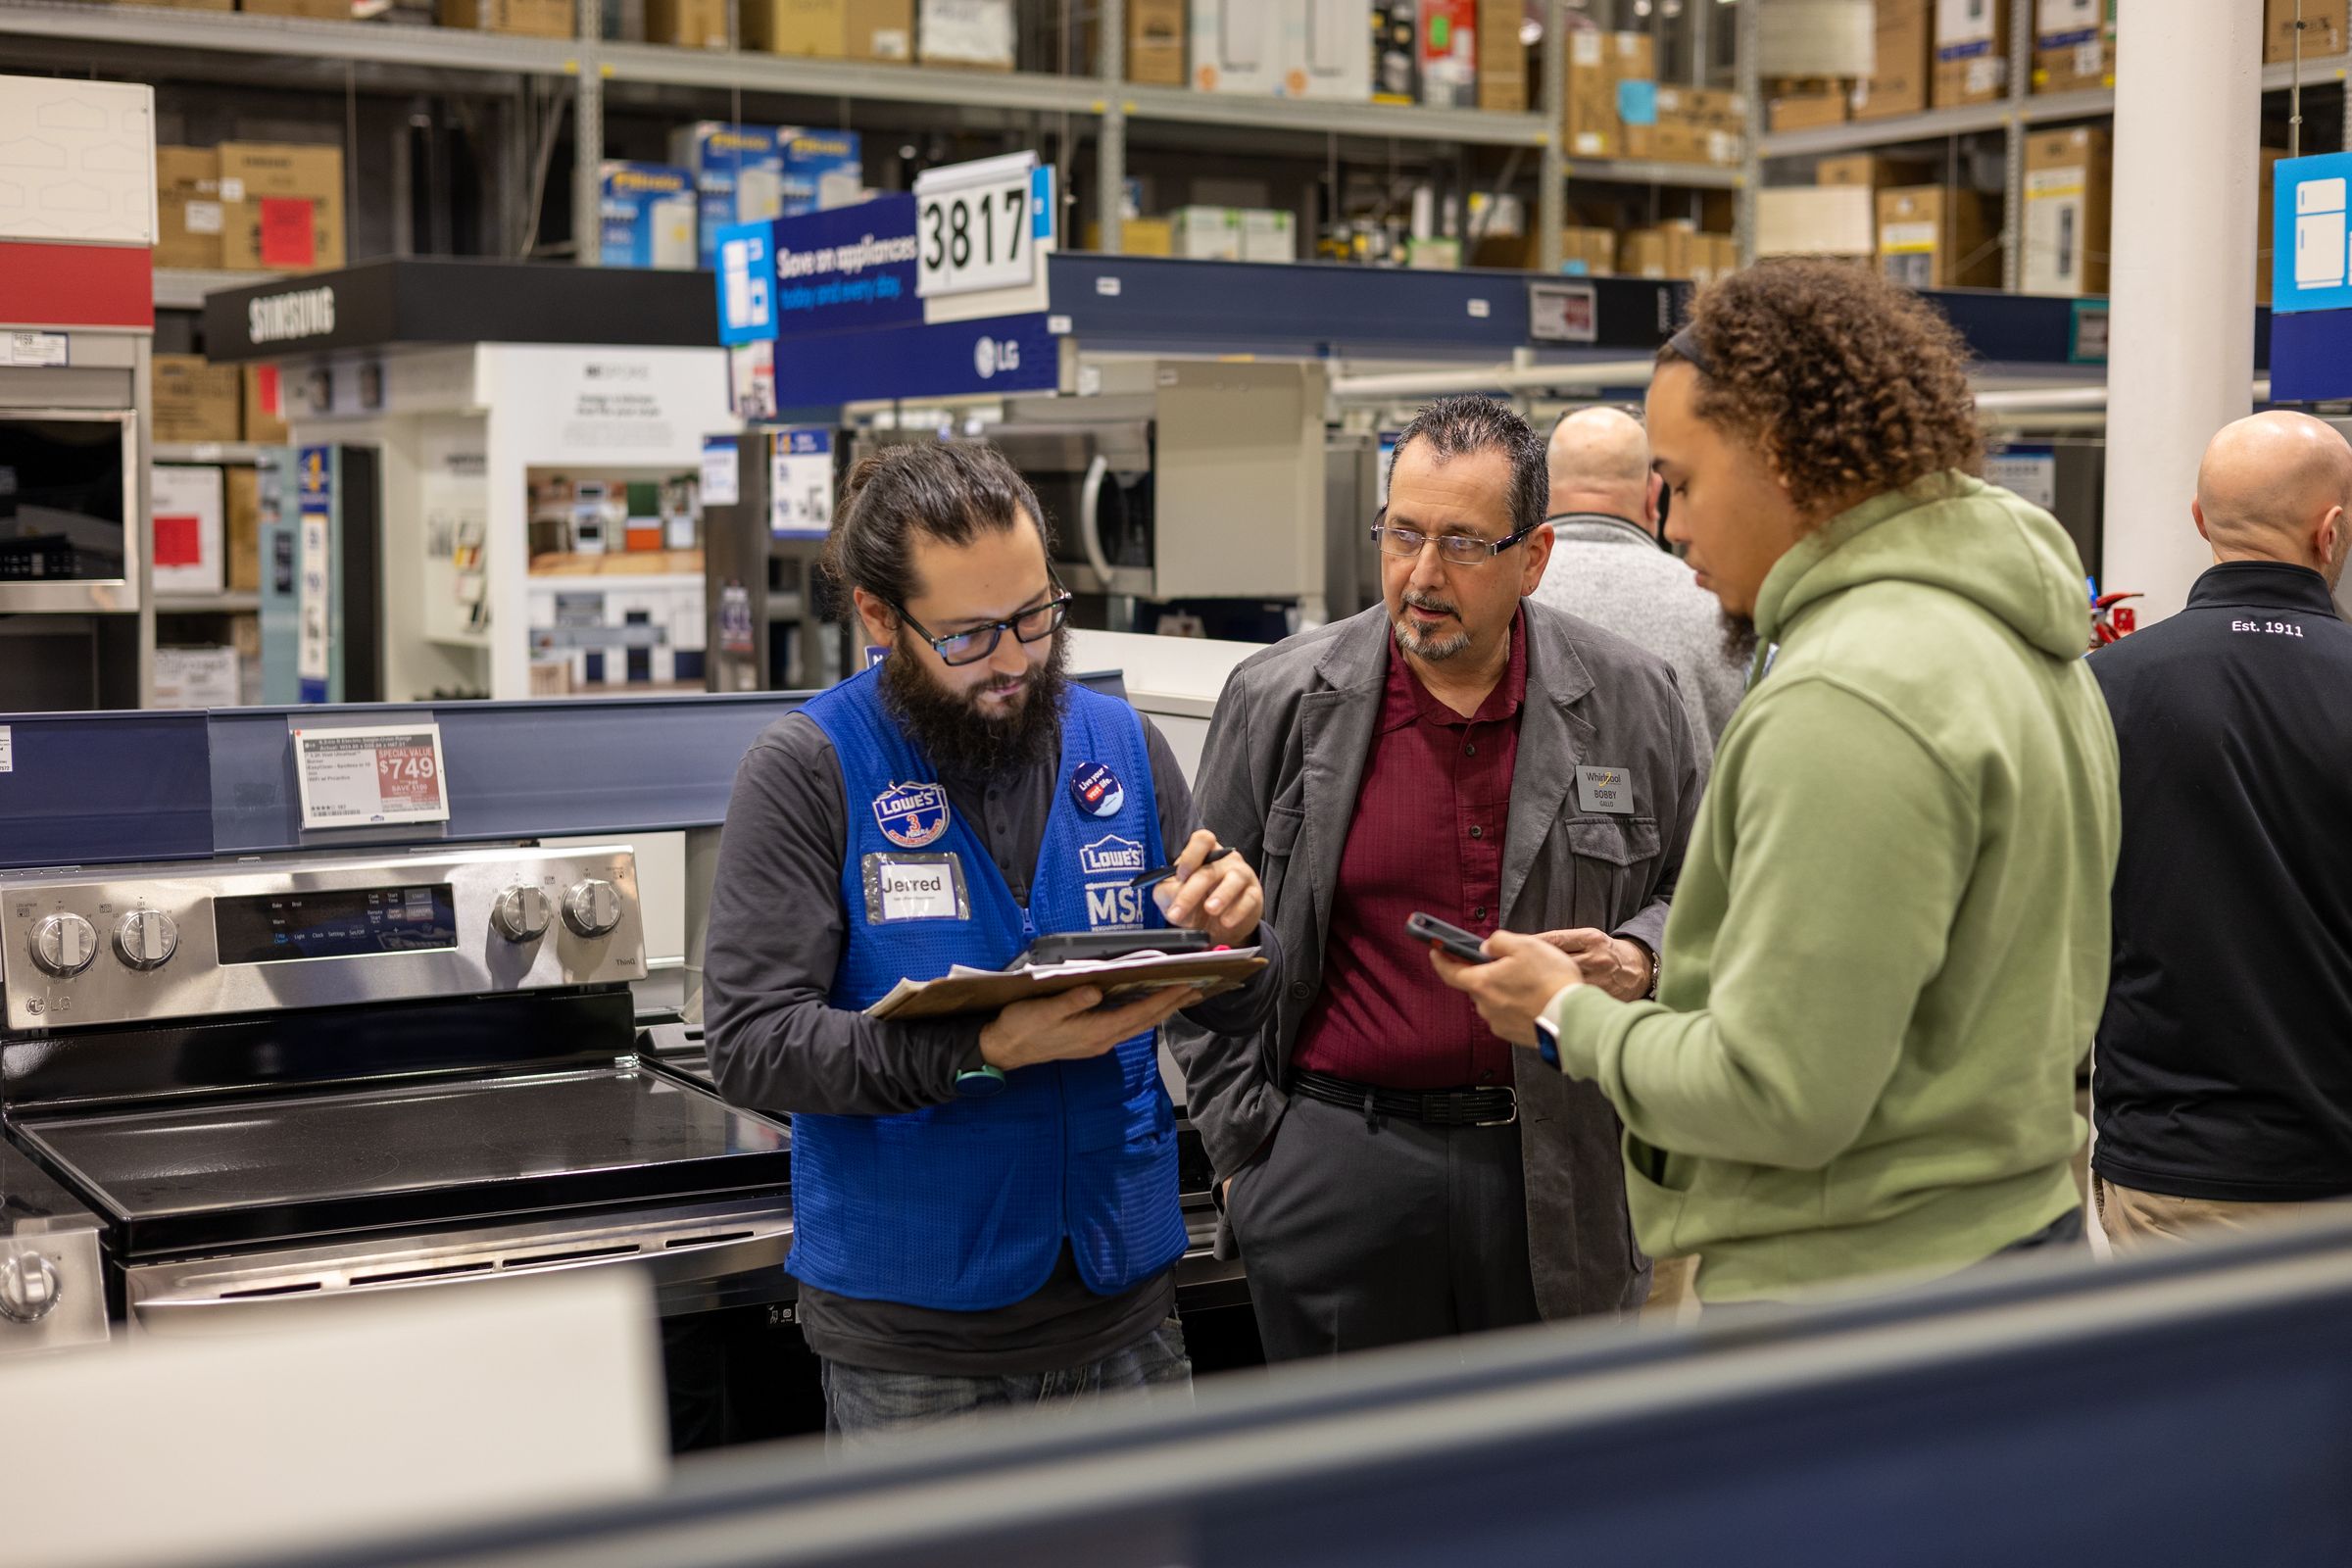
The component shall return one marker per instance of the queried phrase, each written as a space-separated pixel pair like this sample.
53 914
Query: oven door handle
1090 519
735 1253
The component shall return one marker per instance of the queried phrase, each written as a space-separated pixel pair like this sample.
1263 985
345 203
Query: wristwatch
1652 994
976 1077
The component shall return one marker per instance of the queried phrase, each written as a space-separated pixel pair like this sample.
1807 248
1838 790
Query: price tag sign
976 226
369 777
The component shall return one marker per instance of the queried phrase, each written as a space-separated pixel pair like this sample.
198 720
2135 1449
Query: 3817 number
972 238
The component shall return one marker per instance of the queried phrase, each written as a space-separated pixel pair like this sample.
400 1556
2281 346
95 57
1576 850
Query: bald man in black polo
2222 1081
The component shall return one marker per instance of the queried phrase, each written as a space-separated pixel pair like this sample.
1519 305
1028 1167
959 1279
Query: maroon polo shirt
1427 835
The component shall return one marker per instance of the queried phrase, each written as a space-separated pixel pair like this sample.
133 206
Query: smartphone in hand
1452 938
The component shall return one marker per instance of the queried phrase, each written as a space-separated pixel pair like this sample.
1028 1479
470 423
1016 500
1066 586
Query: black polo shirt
2223 1064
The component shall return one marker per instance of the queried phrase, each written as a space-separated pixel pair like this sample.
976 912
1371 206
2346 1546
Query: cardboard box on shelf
1933 236
1588 252
194 399
2323 30
187 207
1633 56
241 499
2068 211
738 175
1873 171
822 170
1501 57
187 529
1711 108
1138 236
1815 220
1588 125
1433 254
1800 104
281 207
649 216
264 406
687 23
1269 235
1155 42
1641 252
977 33
1325 53
1972 52
882 31
819 27
1449 54
312 10
2074 45
1206 233
1906 59
536 19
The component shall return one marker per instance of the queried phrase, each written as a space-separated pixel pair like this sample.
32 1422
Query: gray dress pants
1359 1233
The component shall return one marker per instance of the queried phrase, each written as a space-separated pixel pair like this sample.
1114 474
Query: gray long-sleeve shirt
777 1043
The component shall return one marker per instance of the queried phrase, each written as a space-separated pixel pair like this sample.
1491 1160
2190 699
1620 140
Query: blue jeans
863 1405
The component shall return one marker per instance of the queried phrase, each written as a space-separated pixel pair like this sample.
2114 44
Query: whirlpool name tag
1605 788
914 887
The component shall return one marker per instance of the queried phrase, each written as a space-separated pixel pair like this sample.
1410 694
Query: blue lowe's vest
964 1206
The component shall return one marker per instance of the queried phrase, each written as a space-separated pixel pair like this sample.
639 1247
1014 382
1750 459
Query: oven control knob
28 1287
146 938
592 908
63 945
521 914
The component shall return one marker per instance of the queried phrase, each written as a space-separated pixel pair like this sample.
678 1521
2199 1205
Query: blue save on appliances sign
2311 251
847 268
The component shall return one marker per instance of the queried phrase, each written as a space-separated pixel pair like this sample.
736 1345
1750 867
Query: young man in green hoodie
1889 946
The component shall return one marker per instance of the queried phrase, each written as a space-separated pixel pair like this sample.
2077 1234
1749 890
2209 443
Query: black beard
959 739
1738 640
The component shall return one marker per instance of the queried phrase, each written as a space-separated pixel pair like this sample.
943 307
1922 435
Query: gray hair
1461 426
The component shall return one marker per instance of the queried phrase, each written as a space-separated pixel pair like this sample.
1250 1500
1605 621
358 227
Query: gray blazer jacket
1278 781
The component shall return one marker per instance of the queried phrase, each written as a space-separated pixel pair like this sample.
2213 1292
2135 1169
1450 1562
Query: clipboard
962 990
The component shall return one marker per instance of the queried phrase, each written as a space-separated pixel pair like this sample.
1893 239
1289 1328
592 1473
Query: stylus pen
1143 879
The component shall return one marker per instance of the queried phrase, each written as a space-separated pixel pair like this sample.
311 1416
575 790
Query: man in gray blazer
1390 1171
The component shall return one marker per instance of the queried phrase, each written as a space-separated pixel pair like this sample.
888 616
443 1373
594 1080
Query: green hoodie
1890 944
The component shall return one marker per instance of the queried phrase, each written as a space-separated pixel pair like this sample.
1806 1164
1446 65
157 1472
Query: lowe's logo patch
1111 854
911 816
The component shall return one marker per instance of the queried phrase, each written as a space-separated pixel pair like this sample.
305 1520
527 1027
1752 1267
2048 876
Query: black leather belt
1430 1108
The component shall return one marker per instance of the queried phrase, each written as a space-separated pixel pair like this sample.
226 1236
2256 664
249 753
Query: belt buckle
1503 1122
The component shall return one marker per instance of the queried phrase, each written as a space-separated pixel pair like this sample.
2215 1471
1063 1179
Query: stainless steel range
279 1084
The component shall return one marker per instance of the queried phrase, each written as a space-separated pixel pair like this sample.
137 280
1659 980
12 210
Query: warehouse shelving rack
238 46
2013 116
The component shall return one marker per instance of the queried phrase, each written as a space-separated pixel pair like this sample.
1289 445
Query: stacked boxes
1801 103
2068 209
687 23
2074 44
1501 57
1616 108
1448 47
195 400
1676 249
1972 52
1816 220
2323 30
977 33
1156 53
1229 234
1690 126
1327 48
1933 236
1906 61
737 173
835 30
189 215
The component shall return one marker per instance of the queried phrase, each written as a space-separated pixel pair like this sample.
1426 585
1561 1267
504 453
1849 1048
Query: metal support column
1744 57
1110 146
588 141
2013 144
1551 160
2181 327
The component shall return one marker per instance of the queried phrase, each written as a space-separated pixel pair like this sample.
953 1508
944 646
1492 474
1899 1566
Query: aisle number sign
978 225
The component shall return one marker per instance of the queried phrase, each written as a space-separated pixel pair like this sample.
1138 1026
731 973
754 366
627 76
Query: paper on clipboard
962 990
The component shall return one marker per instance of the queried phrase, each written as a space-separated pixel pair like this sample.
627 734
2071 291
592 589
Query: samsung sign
280 316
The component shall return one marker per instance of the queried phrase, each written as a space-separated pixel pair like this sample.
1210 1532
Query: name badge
914 887
1605 788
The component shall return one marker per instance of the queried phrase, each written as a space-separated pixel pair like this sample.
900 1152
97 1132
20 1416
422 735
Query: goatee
961 739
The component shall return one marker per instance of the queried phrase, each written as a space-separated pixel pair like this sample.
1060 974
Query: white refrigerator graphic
2319 236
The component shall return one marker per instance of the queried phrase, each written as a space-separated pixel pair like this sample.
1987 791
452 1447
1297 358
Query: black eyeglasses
971 647
1461 549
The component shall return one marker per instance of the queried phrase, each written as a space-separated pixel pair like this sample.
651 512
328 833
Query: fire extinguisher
2111 618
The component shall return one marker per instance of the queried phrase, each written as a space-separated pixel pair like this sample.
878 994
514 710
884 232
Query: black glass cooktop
292 1166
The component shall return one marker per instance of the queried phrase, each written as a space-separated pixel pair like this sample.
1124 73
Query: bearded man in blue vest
985 1209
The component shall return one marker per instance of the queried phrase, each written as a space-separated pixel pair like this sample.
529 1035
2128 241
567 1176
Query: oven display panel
341 923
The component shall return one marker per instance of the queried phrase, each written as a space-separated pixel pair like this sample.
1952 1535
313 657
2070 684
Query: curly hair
1849 383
